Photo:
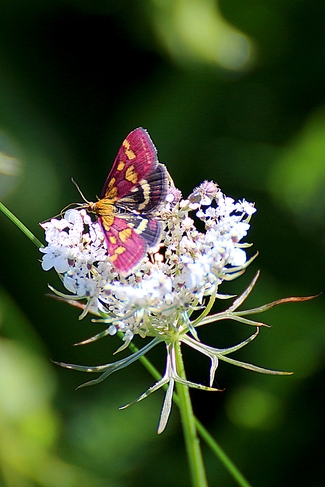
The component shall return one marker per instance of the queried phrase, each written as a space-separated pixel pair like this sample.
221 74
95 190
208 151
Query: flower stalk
192 442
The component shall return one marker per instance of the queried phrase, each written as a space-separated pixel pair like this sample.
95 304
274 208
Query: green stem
20 225
192 442
223 457
203 432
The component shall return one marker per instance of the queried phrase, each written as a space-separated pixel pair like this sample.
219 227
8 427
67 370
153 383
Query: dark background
233 92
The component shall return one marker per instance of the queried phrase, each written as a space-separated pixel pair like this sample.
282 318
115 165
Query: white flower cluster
180 276
172 279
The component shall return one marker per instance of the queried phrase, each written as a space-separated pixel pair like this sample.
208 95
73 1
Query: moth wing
148 229
125 247
148 194
136 157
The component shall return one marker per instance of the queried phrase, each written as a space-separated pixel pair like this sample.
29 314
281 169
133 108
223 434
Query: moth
134 189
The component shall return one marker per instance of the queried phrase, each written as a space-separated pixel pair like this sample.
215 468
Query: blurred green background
231 91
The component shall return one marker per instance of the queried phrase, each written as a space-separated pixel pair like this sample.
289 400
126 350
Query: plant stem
20 225
192 442
223 457
203 432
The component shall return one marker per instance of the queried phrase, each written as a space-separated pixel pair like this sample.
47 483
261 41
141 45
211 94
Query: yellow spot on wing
118 251
111 183
111 194
121 166
131 175
125 234
126 144
111 191
112 239
128 152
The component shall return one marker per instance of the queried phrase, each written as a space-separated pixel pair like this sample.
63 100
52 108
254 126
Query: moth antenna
61 212
51 218
79 191
66 207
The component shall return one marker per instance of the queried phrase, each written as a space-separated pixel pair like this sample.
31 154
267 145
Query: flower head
201 246
191 266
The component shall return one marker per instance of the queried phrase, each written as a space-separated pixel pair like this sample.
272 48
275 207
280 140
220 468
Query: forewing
136 158
135 186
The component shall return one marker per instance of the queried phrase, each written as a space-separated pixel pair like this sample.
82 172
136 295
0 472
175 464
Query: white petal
47 262
61 264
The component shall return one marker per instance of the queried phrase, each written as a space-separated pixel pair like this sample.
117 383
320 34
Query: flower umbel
201 246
